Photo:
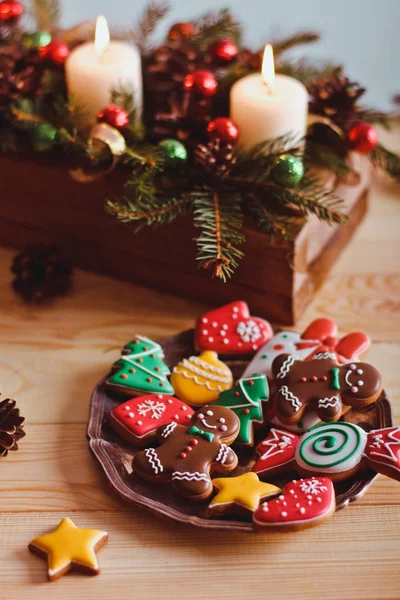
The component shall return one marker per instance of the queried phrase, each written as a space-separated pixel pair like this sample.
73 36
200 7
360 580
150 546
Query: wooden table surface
50 360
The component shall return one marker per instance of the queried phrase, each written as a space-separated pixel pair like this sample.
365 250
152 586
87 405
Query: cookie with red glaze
231 329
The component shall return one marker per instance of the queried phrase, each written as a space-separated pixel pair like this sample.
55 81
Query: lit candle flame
268 67
101 36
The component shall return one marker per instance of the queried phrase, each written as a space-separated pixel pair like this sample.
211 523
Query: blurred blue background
364 35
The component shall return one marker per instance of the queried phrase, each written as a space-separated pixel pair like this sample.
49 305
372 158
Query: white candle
94 69
266 106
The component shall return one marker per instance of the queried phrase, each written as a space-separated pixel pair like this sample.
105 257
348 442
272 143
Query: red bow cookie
347 348
231 329
303 503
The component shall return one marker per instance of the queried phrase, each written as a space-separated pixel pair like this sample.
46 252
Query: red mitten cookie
138 419
187 455
231 330
321 384
303 503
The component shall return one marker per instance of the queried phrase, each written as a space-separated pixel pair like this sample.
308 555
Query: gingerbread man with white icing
187 455
323 385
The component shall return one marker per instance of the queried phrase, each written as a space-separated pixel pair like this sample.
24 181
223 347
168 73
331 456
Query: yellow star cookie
240 494
69 547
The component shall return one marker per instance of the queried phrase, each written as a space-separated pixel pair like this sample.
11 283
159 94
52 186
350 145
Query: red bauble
56 52
224 51
362 137
201 82
223 129
10 10
180 31
115 116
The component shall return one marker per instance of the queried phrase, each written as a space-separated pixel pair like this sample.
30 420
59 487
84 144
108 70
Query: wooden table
51 358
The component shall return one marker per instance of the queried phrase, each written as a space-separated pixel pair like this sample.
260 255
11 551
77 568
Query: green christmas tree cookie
245 399
141 369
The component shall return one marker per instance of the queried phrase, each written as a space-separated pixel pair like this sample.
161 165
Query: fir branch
215 25
147 213
267 221
388 161
307 72
298 39
255 163
377 117
147 24
219 217
47 14
323 156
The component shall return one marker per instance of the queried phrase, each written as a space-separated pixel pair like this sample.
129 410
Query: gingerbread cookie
69 547
140 369
320 336
200 379
338 450
302 504
187 455
322 385
246 399
240 495
231 330
138 419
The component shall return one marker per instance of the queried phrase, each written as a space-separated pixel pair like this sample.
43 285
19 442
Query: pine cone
216 159
20 75
186 120
41 273
336 98
10 426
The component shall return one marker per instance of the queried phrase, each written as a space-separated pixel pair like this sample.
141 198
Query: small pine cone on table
11 424
41 273
215 158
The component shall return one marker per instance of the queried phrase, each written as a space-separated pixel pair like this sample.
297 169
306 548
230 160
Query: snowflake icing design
153 407
313 486
249 332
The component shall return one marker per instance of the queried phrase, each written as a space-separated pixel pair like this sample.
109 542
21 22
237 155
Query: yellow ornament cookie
69 547
240 494
200 379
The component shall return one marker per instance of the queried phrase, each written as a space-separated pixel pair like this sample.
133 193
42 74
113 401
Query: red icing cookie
138 419
231 330
383 451
303 503
276 452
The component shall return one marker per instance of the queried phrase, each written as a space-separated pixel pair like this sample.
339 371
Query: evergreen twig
219 218
307 71
299 38
146 213
215 25
388 161
148 23
47 14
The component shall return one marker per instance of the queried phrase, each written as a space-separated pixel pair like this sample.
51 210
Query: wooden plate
115 455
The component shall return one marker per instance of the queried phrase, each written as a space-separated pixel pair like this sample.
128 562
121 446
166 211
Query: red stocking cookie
302 504
337 450
231 330
138 419
322 385
187 455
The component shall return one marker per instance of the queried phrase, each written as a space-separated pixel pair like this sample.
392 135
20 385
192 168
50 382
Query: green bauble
174 152
37 39
288 170
43 137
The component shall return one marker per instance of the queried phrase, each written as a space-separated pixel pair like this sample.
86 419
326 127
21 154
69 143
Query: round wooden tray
115 455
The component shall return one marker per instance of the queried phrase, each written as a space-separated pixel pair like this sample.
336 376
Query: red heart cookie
231 329
303 503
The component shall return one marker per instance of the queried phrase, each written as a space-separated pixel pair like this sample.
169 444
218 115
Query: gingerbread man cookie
321 384
187 455
337 450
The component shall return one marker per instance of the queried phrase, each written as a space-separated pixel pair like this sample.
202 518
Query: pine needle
148 23
388 161
291 41
216 25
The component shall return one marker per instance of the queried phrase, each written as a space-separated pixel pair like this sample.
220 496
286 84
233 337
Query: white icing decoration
334 401
186 476
205 424
222 454
220 377
348 373
280 440
153 459
323 355
168 430
287 394
378 443
312 486
285 368
249 331
153 407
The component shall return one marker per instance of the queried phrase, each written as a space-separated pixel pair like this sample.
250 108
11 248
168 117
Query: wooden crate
41 202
